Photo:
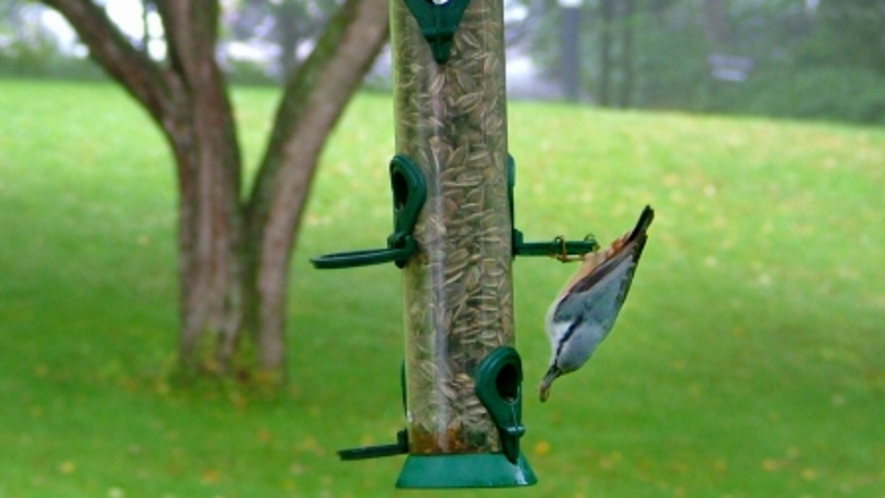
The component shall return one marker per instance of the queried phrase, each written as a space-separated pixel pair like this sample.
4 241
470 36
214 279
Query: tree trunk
312 103
570 50
628 21
716 24
606 47
201 131
234 256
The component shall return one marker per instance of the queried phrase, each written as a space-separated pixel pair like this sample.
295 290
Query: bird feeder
464 402
454 239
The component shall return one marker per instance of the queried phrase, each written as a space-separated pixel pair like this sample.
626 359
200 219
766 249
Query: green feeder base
484 470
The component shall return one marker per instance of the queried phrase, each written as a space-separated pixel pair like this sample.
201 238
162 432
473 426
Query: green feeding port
498 384
499 389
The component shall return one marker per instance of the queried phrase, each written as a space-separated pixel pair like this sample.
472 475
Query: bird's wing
602 283
598 264
598 297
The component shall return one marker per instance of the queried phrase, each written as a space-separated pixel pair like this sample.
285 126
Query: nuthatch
585 311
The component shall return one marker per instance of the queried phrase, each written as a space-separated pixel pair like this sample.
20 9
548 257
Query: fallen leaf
542 448
67 467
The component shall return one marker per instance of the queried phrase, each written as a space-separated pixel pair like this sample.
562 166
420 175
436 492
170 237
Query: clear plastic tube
451 121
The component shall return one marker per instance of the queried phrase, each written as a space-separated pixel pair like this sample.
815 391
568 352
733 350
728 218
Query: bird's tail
645 219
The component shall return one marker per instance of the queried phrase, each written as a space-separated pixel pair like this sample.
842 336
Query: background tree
616 21
606 49
625 95
27 46
234 245
716 24
285 24
792 58
850 34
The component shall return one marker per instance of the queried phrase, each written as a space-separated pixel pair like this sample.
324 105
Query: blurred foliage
827 92
244 72
28 49
279 32
806 60
821 60
286 25
849 33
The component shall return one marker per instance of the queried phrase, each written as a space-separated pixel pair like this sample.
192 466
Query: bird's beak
544 388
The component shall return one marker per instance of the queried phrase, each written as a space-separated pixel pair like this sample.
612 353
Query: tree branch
313 101
315 96
191 31
141 76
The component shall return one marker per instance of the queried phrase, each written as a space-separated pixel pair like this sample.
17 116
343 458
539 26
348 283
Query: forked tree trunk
234 255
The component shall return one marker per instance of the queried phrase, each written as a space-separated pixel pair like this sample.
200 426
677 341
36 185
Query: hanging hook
559 248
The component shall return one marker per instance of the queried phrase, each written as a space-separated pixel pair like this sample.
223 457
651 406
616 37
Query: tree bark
234 255
202 134
311 105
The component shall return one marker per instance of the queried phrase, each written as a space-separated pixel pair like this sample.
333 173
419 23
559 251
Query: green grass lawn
748 362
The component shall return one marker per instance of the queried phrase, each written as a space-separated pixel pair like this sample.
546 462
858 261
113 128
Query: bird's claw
563 255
